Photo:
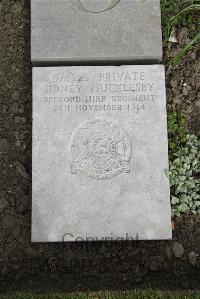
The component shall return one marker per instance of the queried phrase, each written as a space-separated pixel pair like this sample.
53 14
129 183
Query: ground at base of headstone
80 266
136 294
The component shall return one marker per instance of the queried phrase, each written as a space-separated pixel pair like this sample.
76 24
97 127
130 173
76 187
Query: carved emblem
95 6
100 149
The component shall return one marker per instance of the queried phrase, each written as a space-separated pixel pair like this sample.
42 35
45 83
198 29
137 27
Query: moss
176 133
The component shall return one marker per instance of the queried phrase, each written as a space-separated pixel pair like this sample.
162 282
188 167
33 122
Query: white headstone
100 153
86 31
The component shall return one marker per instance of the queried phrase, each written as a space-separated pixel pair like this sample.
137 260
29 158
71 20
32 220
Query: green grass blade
173 19
183 51
184 10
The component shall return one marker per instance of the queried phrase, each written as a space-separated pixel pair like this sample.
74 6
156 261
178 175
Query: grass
181 13
176 132
137 294
184 51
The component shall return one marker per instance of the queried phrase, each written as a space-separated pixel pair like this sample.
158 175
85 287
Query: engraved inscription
100 149
95 6
104 91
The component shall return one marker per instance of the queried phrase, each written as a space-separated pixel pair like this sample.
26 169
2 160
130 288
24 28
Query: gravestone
100 154
98 31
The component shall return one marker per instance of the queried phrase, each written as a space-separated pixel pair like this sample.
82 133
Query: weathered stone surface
100 153
67 31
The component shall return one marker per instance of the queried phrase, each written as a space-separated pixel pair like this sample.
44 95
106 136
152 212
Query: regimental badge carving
100 149
95 6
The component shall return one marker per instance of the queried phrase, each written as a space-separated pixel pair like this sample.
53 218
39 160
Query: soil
25 266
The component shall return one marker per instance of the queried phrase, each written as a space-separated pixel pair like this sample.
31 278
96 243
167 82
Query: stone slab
100 152
66 31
